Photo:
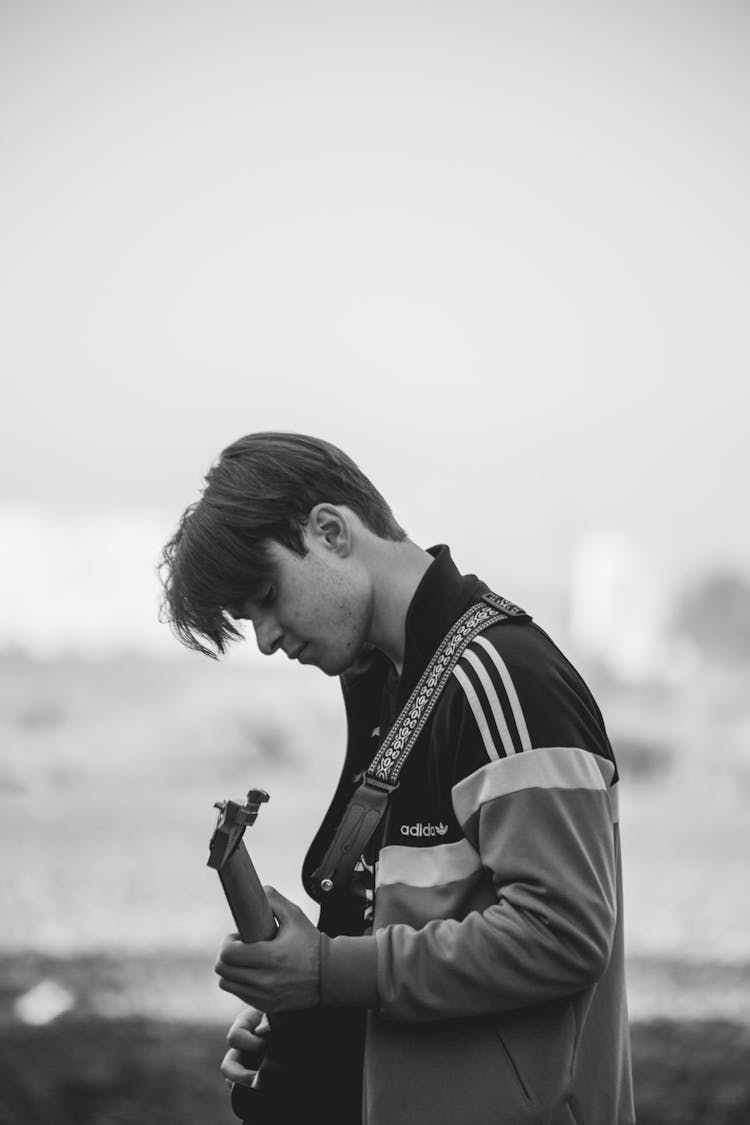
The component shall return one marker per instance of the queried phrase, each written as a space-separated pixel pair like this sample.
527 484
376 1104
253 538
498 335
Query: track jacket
492 973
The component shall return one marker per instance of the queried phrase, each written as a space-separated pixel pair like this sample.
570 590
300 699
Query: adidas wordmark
424 829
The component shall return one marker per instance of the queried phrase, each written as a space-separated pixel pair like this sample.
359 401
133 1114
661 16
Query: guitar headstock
232 821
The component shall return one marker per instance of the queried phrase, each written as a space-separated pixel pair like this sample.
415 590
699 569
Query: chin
336 665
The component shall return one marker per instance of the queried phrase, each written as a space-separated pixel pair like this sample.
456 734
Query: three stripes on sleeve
493 699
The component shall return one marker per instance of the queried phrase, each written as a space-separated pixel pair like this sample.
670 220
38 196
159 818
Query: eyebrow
254 591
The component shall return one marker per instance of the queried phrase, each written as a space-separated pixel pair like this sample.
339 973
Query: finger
233 948
239 974
234 1071
237 989
246 994
248 1019
241 953
245 1041
283 908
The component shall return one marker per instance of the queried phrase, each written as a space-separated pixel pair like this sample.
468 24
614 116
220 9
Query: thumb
283 908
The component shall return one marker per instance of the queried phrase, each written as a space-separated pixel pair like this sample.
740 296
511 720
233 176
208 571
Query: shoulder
514 690
522 659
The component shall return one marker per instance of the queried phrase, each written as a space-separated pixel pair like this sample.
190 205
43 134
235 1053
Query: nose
268 634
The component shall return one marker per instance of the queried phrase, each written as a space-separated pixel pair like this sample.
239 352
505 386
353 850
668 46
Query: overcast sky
497 251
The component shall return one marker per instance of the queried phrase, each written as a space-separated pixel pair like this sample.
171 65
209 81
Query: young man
470 968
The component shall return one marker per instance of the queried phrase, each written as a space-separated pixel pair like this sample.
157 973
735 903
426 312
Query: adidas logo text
424 829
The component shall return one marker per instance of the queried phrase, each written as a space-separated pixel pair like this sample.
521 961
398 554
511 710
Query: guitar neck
246 897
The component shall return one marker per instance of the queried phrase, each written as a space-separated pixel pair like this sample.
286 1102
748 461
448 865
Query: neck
397 570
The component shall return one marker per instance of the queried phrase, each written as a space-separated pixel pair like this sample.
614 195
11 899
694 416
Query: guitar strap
369 801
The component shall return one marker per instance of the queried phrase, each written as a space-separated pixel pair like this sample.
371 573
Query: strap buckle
373 782
361 817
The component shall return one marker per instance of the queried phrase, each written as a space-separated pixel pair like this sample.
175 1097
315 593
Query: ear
329 526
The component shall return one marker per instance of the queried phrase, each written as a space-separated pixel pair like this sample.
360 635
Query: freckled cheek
351 633
334 627
311 622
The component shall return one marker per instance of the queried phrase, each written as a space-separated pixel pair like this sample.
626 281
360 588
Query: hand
246 1038
279 975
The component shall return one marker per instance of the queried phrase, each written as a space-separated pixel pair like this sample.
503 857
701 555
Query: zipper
512 1064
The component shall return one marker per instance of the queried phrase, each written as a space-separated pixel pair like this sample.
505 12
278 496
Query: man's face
316 608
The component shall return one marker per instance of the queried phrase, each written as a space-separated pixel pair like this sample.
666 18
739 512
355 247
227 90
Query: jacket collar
439 600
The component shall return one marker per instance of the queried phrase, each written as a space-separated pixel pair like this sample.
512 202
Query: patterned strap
368 804
397 745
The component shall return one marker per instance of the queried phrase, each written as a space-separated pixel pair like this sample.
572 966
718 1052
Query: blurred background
498 252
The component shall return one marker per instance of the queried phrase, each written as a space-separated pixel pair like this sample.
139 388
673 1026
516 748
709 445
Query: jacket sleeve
531 793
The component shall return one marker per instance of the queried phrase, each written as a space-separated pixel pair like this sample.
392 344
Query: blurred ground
109 1012
144 1072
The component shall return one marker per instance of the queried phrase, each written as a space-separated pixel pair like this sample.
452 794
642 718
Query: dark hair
262 488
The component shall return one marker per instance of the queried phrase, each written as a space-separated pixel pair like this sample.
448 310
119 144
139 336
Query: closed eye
267 597
264 599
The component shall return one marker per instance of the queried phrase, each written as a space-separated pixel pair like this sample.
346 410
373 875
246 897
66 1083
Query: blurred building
620 609
83 584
